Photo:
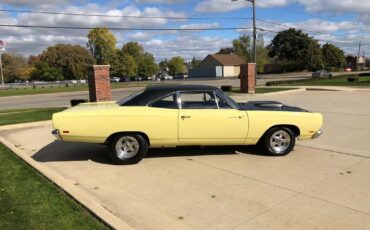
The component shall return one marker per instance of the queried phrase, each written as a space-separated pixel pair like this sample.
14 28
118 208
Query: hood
269 106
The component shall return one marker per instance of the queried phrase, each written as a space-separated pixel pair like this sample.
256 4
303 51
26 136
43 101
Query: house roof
228 59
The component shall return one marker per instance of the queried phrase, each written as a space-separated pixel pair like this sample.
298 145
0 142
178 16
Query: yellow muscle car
179 115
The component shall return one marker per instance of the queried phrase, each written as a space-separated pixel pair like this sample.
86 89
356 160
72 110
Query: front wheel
278 141
127 148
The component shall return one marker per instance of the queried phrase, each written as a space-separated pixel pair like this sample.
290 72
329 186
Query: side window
222 103
168 102
198 100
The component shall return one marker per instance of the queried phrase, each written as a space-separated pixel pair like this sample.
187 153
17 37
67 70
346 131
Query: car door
206 119
162 115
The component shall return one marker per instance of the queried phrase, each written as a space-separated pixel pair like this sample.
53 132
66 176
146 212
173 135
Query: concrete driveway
323 184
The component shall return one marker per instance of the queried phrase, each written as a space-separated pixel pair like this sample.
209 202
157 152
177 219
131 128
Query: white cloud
186 45
160 1
216 6
33 2
221 6
200 26
335 6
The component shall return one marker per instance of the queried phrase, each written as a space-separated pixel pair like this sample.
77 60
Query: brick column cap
95 66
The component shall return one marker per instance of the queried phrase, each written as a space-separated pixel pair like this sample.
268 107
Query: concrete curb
80 196
25 125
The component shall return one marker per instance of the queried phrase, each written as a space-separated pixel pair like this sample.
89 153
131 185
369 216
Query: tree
147 66
71 60
314 59
45 72
176 65
102 45
333 57
14 67
123 65
134 49
194 63
227 50
163 66
297 48
262 54
242 47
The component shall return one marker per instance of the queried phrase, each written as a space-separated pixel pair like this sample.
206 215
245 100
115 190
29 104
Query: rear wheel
278 141
127 148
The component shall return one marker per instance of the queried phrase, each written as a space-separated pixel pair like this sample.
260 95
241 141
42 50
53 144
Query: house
218 65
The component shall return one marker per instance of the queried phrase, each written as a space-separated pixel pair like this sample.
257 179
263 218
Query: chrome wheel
127 147
280 141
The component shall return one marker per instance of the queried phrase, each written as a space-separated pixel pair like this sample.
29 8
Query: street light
254 28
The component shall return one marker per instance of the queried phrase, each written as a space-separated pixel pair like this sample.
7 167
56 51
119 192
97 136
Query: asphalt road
63 99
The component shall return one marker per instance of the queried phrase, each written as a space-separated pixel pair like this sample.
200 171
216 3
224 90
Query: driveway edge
81 197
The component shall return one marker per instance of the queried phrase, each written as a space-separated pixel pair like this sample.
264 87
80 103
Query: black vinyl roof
152 93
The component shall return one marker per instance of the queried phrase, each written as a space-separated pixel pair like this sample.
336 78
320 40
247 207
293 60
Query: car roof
152 93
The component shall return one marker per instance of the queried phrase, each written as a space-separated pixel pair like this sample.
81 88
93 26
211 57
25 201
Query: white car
114 79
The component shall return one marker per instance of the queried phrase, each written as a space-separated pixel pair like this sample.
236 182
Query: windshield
228 99
129 98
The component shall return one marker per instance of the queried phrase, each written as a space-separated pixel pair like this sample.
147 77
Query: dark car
124 79
321 74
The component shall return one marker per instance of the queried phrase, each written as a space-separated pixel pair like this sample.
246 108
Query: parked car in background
180 115
348 69
114 79
168 77
124 79
138 78
321 74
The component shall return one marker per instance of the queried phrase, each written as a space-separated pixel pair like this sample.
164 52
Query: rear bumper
56 134
317 134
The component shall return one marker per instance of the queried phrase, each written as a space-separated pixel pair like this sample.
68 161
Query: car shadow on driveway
69 151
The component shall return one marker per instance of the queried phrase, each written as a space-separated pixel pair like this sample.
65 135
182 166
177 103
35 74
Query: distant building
218 65
351 61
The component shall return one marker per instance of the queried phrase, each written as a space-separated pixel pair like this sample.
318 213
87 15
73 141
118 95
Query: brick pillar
99 83
248 78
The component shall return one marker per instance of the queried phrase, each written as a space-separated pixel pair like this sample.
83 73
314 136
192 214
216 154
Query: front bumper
56 134
317 134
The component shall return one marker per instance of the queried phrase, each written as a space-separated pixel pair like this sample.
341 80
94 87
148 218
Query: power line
122 16
123 28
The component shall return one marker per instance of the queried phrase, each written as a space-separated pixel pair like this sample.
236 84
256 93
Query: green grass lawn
26 115
62 88
341 81
363 81
27 199
262 90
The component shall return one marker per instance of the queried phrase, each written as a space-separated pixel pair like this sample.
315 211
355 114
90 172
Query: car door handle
237 117
184 117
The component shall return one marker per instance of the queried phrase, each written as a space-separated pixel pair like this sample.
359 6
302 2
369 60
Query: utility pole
358 56
1 69
254 31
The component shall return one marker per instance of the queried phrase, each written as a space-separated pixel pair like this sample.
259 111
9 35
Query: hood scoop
269 104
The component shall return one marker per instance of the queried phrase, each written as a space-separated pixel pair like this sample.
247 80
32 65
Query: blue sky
343 23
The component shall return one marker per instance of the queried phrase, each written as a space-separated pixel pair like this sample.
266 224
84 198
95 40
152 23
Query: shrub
226 88
352 79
